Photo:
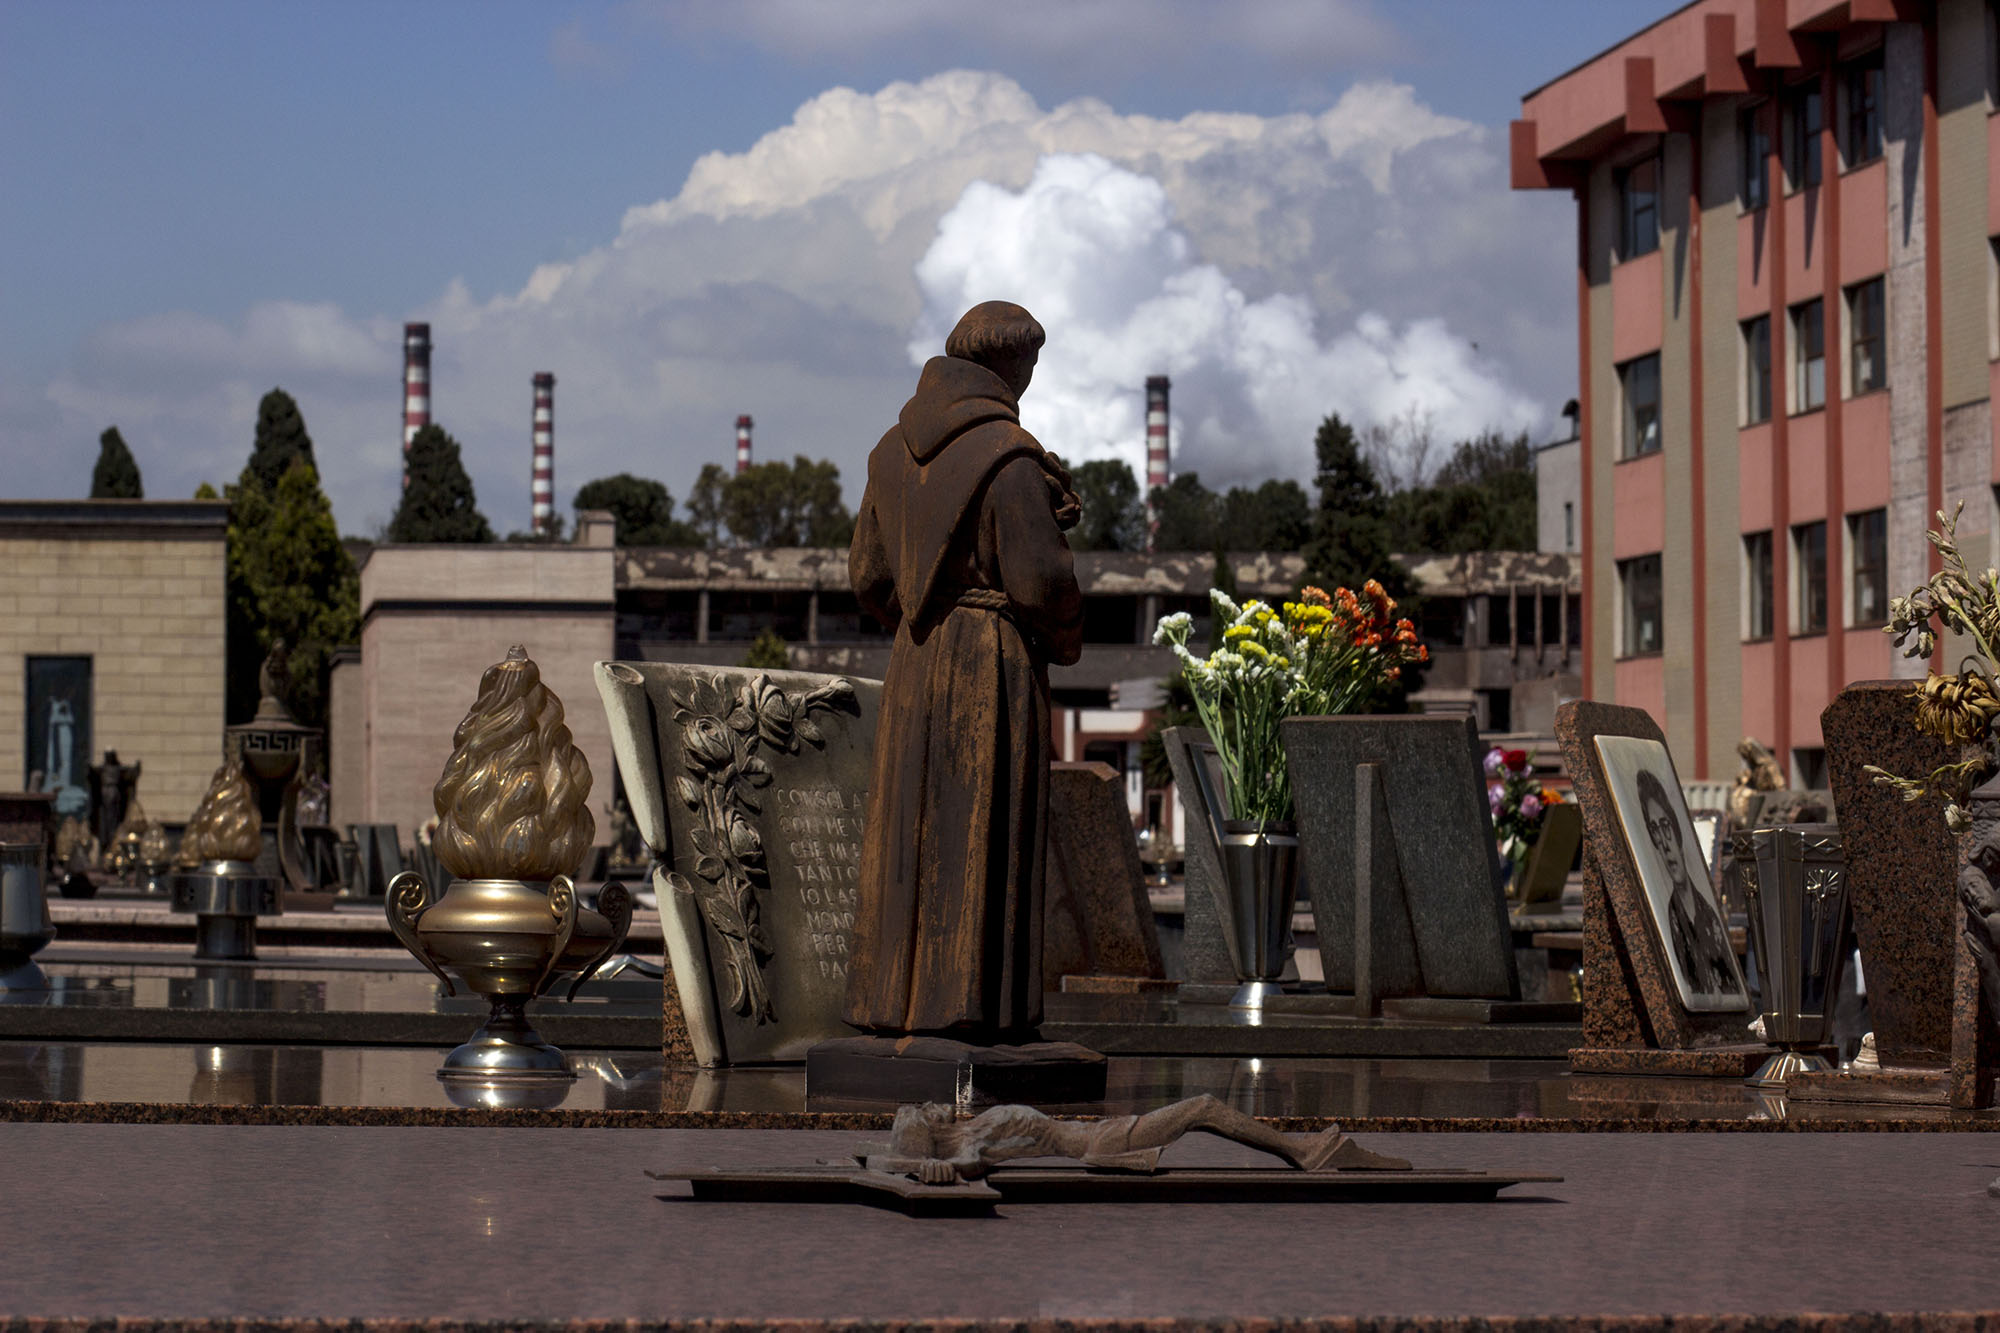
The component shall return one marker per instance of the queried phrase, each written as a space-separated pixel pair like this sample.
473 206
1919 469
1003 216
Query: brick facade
137 586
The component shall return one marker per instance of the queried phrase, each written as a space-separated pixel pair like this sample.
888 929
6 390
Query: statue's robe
957 550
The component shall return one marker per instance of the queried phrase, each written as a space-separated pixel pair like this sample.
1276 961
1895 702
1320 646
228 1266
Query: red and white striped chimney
1156 447
542 482
742 444
416 381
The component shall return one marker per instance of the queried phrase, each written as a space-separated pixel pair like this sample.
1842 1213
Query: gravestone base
938 1069
1915 1086
1073 984
1456 1009
1732 1061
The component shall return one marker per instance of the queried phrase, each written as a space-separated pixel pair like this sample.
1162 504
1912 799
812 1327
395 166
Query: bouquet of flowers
1519 803
1318 655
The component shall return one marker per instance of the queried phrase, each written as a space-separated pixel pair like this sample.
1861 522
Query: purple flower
1531 805
1494 758
1493 799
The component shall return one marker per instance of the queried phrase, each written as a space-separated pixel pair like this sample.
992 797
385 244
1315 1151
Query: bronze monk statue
959 550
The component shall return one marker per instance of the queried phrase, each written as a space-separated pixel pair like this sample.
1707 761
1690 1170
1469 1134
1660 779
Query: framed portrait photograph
1673 869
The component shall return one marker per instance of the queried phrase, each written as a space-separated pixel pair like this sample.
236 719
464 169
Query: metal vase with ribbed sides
1795 893
1260 870
24 916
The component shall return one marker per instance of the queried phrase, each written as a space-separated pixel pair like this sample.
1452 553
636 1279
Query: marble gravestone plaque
1446 932
750 789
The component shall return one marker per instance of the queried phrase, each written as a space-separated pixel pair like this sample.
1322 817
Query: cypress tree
438 504
281 439
290 578
116 476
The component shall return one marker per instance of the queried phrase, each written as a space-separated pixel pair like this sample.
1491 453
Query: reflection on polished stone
365 1080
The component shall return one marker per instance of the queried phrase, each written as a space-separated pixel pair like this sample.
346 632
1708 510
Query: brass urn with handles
514 823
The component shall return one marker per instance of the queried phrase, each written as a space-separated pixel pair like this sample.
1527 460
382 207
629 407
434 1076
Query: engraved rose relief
722 732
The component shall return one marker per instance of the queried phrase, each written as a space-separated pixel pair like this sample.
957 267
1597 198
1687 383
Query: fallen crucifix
935 1163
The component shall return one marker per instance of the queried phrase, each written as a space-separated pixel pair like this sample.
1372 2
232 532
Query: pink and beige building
1787 214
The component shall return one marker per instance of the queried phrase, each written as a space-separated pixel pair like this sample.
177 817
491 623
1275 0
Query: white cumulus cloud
1279 267
1091 248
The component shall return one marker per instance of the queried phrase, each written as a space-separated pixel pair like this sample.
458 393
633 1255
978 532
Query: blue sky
172 169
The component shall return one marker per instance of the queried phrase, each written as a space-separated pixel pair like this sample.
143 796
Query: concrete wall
434 618
1559 483
137 586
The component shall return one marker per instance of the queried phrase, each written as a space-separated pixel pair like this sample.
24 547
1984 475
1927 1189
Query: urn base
506 1049
1785 1065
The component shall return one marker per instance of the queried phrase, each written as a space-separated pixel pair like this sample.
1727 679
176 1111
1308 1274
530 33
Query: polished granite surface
383 1085
98 991
522 1228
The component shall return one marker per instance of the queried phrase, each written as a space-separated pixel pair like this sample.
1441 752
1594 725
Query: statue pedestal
938 1069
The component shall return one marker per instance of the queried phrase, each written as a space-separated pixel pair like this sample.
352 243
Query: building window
1639 387
1639 587
1809 578
1639 209
1861 90
57 749
1867 371
1868 559
1569 525
1754 147
1758 621
1808 356
1803 124
1756 370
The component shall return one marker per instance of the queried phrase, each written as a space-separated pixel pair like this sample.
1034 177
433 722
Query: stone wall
138 587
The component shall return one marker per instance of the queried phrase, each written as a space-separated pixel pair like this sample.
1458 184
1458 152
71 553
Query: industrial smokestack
742 444
1156 448
542 482
416 382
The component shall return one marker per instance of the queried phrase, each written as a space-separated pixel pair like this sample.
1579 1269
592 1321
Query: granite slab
1097 919
1902 866
1441 851
257 1227
1205 949
1629 995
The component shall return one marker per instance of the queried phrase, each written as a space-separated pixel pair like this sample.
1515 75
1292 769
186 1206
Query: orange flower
1315 597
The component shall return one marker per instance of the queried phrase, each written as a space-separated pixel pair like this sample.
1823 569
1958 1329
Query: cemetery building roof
117 520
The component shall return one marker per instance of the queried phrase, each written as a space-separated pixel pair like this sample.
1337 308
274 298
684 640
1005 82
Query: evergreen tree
768 653
1187 515
787 504
641 508
706 504
281 438
1483 499
438 504
1113 519
116 476
290 578
1276 516
1350 540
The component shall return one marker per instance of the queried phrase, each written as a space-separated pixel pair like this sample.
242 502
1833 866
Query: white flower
1225 605
1174 628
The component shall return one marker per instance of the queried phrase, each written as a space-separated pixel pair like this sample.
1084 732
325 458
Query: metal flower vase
509 940
25 925
1795 893
1260 869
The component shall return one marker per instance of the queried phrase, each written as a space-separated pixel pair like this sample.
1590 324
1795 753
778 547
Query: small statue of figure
315 801
275 674
1760 773
113 790
959 550
930 1143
